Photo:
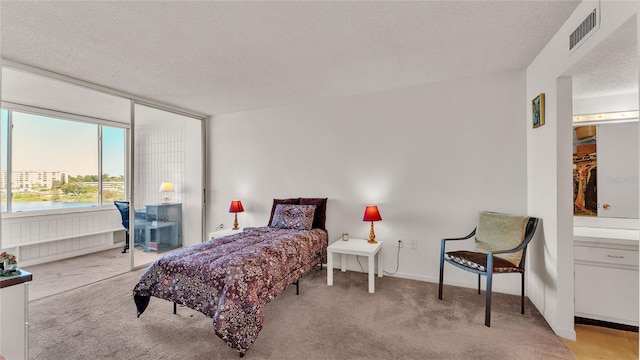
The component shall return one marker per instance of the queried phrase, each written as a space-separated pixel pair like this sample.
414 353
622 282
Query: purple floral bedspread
230 279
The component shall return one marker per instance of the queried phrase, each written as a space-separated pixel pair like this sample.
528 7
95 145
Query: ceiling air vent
583 29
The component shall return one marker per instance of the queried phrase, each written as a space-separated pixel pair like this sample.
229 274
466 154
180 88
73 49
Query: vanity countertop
20 277
610 233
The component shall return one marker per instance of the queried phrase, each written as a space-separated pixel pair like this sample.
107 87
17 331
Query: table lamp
372 214
165 189
236 207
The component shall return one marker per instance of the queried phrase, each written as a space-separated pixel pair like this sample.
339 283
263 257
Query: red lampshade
371 213
236 206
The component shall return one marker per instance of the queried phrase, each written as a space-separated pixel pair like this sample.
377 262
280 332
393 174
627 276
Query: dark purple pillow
320 216
290 201
297 217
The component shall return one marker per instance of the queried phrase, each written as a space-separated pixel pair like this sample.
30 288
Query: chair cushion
478 261
500 232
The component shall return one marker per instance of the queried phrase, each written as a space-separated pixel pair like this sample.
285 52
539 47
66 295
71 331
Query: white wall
430 157
1 236
549 164
29 88
608 103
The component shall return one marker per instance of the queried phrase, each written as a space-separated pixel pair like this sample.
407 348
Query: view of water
45 205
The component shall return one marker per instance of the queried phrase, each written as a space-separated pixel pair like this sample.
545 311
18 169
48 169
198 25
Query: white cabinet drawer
606 294
606 255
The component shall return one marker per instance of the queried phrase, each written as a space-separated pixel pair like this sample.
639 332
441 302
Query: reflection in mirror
605 169
585 167
167 183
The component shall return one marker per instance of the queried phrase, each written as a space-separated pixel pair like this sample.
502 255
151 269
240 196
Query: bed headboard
320 215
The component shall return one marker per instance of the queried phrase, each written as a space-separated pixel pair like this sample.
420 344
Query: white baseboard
434 279
469 285
569 334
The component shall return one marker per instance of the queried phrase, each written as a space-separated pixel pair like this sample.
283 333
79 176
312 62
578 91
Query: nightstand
355 247
225 232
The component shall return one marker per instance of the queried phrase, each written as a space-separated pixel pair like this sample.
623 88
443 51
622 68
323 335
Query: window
4 125
113 163
55 162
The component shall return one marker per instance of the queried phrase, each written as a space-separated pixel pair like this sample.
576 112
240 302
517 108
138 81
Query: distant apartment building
29 179
107 185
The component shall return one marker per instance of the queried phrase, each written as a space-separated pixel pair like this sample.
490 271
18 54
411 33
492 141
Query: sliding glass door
167 182
73 153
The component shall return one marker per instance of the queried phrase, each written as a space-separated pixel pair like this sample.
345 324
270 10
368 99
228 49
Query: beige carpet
66 274
402 320
63 275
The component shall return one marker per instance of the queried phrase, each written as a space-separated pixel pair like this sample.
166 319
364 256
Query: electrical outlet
400 243
413 244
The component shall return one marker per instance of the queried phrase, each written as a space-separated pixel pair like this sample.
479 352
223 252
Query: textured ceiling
220 57
611 68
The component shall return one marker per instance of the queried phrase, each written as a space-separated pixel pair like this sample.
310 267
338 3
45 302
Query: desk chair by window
500 247
123 207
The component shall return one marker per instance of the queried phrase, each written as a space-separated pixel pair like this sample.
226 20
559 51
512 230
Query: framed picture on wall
537 108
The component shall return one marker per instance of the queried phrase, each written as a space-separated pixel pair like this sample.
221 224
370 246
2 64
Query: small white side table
221 233
355 247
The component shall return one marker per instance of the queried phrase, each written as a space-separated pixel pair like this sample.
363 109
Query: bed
230 279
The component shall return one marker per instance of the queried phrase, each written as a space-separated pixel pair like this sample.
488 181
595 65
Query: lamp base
372 236
235 222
